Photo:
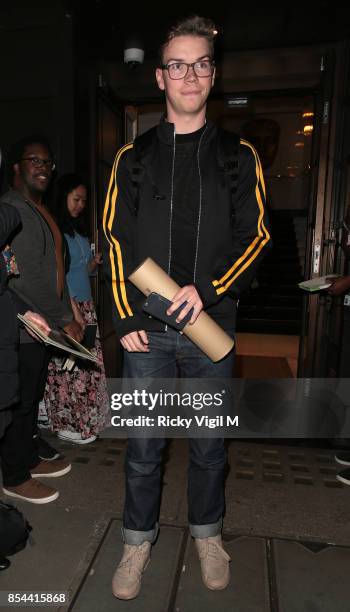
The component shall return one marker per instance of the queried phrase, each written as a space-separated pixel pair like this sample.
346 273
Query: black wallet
157 305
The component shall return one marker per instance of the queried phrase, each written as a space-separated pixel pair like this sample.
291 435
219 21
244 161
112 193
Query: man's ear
160 78
16 169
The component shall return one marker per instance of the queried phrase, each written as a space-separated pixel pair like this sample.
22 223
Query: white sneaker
126 582
72 436
214 562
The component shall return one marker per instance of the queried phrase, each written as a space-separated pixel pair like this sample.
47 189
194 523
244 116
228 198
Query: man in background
38 248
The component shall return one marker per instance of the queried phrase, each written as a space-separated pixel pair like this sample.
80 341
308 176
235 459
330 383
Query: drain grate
273 476
270 453
107 462
324 458
272 465
333 484
328 470
296 456
286 466
306 480
296 467
245 474
244 461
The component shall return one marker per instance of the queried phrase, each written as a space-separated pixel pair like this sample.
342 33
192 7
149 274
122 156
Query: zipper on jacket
171 201
171 205
200 207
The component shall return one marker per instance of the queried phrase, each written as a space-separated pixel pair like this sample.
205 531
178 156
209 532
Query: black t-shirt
186 202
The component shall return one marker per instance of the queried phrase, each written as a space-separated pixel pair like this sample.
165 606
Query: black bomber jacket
232 231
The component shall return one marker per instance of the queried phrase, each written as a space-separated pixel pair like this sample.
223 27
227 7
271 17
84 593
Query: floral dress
77 400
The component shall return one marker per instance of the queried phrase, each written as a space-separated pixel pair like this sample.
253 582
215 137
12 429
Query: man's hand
39 321
75 330
135 342
190 295
339 285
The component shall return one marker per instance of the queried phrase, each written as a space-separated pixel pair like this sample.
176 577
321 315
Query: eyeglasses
178 70
37 162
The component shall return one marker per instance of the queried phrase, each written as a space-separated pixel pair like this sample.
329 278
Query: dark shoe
4 563
343 458
45 451
32 491
344 477
51 469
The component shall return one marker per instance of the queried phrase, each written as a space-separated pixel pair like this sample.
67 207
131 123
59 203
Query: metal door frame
319 259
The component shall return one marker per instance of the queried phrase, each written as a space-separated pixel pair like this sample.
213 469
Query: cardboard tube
205 333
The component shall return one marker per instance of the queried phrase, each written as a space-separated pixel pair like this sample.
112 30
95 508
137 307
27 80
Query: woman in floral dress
76 401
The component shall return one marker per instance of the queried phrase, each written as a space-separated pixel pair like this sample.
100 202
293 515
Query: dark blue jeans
172 354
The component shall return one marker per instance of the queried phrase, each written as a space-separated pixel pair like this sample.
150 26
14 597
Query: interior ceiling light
308 129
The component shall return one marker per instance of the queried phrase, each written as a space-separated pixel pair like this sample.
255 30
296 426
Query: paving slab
63 543
311 578
158 580
248 590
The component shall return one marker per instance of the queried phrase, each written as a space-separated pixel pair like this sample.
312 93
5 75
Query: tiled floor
260 345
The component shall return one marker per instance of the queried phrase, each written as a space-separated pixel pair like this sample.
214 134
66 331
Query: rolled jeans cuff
135 538
206 531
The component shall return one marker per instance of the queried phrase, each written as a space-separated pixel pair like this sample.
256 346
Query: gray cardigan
34 249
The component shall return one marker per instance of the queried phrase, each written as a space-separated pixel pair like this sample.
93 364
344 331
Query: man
37 246
181 214
340 286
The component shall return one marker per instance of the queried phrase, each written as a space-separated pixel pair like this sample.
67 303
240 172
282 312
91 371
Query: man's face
33 172
188 95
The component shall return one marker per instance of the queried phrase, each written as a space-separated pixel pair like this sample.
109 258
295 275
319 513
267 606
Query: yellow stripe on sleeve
110 209
251 251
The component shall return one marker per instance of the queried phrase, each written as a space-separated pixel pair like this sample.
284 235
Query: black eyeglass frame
211 62
39 163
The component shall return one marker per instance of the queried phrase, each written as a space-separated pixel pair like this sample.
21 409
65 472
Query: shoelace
213 549
128 562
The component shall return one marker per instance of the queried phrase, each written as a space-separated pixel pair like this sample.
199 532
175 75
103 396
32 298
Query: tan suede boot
126 582
214 562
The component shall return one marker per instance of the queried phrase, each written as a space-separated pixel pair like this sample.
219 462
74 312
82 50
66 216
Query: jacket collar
165 131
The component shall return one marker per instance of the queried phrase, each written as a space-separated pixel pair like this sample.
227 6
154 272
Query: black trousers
5 420
17 448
